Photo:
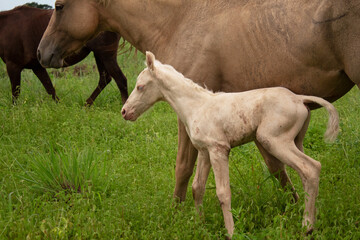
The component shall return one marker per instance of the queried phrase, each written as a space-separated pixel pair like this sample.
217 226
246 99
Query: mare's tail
333 123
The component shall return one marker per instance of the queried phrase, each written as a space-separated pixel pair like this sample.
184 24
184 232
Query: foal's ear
150 61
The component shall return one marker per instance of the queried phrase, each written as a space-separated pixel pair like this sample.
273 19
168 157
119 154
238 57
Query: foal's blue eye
140 87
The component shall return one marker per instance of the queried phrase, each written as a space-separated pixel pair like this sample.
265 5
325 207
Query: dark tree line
42 6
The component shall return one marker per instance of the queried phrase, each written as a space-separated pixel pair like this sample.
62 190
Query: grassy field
71 172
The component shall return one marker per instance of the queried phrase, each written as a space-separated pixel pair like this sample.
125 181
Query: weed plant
60 171
72 172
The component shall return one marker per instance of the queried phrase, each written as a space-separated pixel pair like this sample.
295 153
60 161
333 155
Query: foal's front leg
219 158
202 173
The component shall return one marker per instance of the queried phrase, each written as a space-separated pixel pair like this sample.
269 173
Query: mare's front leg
185 162
44 78
219 158
202 173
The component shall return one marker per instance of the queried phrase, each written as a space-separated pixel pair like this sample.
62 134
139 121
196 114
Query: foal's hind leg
300 137
277 168
307 168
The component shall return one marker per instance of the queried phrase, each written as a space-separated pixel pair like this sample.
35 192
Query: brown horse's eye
140 87
59 7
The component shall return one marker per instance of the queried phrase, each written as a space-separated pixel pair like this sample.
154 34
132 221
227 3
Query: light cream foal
275 118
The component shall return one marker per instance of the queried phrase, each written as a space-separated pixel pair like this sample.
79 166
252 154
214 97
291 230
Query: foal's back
235 117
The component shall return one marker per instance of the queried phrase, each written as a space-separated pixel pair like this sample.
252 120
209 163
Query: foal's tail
333 123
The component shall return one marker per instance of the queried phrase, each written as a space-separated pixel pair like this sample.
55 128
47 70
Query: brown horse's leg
185 162
104 80
44 78
277 168
114 70
14 72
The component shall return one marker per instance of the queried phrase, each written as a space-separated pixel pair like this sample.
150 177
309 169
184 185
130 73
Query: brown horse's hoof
56 99
295 198
88 103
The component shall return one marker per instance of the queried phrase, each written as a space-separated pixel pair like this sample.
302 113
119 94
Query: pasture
72 172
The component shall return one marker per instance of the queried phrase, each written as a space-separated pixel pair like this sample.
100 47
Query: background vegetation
37 5
71 172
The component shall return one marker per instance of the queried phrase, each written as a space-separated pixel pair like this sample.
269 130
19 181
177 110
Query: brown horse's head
64 35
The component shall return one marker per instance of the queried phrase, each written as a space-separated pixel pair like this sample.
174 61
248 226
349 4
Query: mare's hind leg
277 168
286 151
104 80
44 78
14 72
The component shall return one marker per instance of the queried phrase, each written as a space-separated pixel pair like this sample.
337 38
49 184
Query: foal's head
146 92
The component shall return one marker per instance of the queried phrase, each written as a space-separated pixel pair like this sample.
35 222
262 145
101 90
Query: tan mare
275 118
311 47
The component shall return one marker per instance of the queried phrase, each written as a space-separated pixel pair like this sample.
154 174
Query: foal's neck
183 95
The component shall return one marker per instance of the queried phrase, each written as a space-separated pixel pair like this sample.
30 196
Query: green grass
126 171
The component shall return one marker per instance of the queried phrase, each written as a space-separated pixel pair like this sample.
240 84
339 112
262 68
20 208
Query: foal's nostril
38 55
123 112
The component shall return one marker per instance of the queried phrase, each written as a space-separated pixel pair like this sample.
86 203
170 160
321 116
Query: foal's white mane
165 72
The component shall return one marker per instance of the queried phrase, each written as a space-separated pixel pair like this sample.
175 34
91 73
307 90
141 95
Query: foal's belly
229 119
239 131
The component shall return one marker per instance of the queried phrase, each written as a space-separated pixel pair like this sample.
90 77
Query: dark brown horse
20 32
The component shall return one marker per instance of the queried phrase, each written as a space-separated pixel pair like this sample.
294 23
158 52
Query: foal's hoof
228 237
309 231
